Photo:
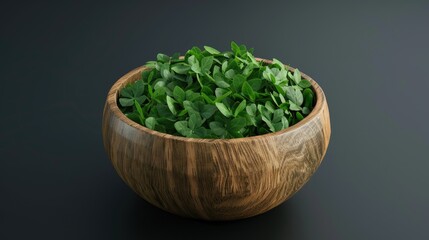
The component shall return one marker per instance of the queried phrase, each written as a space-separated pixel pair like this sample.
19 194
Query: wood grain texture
215 179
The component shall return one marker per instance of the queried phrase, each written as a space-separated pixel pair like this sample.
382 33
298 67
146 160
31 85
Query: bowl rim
112 104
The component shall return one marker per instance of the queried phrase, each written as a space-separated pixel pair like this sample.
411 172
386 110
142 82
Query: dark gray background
58 60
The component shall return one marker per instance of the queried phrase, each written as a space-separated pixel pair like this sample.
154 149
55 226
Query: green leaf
207 90
242 60
195 51
224 66
279 64
237 81
274 98
126 102
150 77
170 104
237 96
277 126
282 99
195 121
277 115
223 109
308 98
138 108
207 98
191 95
138 88
127 92
133 116
236 124
222 84
195 65
285 122
269 106
290 76
140 99
264 111
150 122
175 57
199 81
216 68
269 123
151 64
294 95
217 128
180 68
235 48
247 90
211 50
230 73
220 91
252 58
162 58
190 106
206 64
255 83
139 111
165 71
220 81
299 116
251 121
306 110
282 76
182 128
179 94
208 110
161 109
304 83
251 109
159 83
240 108
297 76
189 80
182 113
248 70
199 132
285 107
267 74
221 97
150 90
294 107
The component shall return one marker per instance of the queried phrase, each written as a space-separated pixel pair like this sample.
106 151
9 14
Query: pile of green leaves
213 94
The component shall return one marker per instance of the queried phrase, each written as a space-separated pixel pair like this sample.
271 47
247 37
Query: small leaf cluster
213 94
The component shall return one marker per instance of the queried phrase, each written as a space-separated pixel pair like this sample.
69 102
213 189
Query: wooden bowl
215 179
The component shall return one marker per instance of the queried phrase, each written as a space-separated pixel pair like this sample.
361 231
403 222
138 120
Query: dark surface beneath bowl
58 61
